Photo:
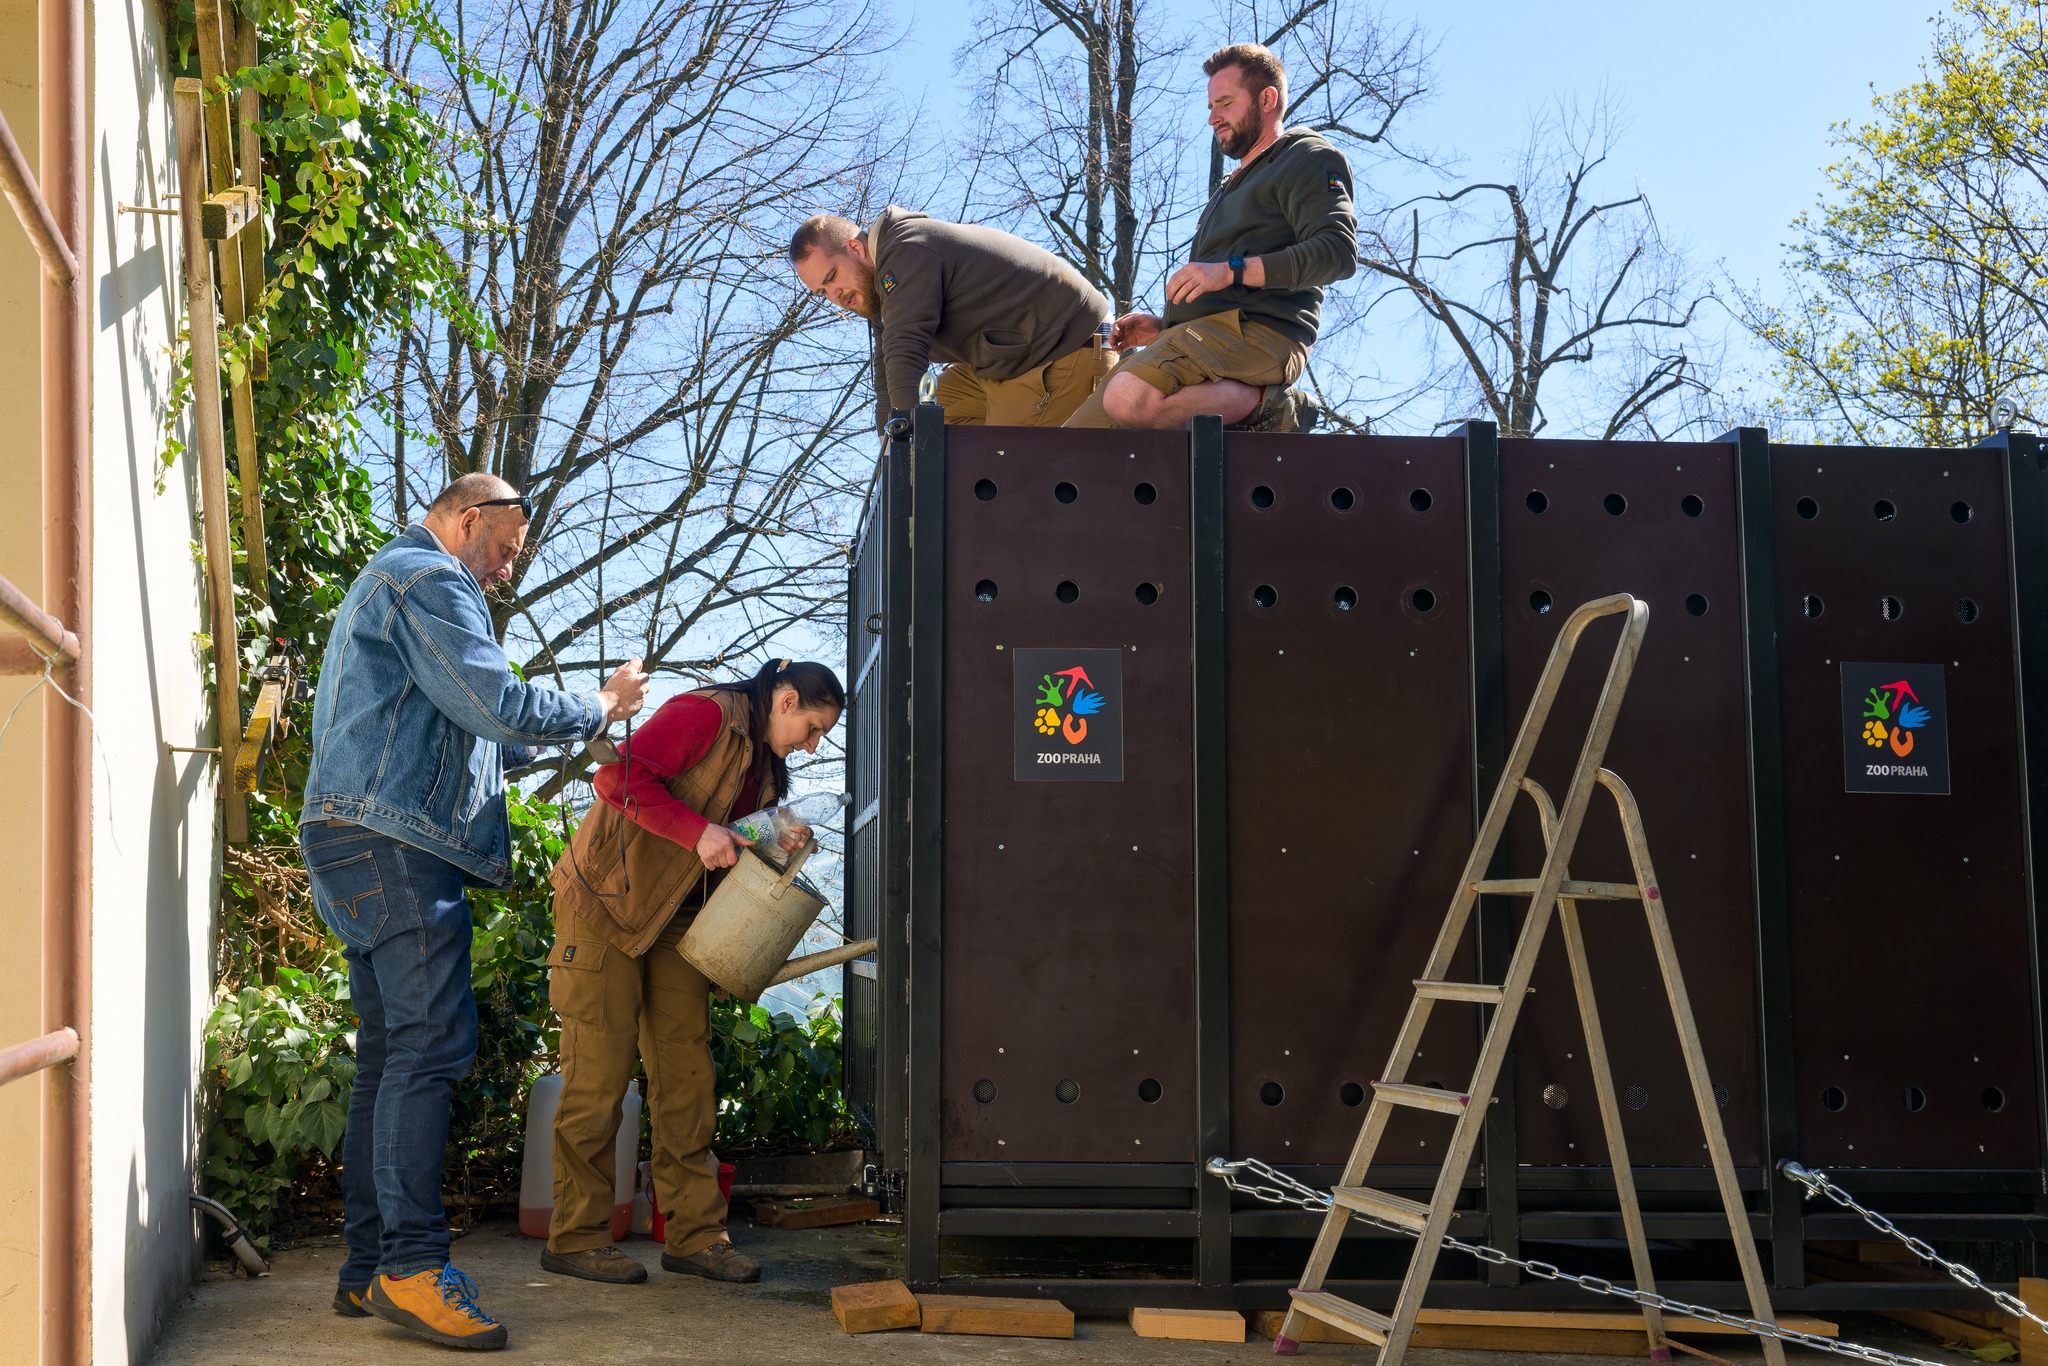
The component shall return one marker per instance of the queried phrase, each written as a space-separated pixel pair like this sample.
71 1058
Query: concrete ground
786 1319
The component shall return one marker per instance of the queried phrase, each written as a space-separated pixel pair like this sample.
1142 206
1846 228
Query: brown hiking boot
719 1262
1282 409
606 1264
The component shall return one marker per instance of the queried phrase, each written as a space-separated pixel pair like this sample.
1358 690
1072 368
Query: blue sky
1726 105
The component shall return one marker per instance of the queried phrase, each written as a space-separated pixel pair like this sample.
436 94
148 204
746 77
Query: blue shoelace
460 1291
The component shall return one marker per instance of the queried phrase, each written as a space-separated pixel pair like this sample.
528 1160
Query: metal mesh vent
1066 1092
984 1091
1720 1095
1556 1097
1635 1097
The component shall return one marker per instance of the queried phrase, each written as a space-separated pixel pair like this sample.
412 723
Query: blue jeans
405 928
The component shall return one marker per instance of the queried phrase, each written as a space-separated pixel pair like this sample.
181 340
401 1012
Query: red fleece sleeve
675 739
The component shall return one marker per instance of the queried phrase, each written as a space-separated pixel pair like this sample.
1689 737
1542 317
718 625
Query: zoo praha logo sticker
1894 728
1069 715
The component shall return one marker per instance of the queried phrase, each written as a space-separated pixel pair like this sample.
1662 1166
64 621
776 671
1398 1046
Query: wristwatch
1237 271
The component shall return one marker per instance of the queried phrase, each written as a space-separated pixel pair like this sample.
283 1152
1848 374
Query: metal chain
1278 1188
1817 1183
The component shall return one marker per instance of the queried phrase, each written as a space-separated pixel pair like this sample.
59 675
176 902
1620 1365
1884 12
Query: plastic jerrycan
537 1171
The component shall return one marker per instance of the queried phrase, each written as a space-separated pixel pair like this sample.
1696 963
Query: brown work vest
658 873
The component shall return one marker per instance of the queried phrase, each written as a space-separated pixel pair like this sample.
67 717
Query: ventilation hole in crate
1720 1095
1890 608
1066 1093
1264 596
1262 497
984 1092
1146 494
1696 603
1884 510
1556 1097
1422 600
1537 502
1065 492
1966 610
1435 1085
1834 1100
1345 598
1148 593
1271 1094
1959 512
1807 508
1351 1094
985 591
1635 1097
1539 602
1068 590
1420 500
1692 505
1148 1090
1812 606
1615 504
1993 1098
1343 499
985 489
1915 1099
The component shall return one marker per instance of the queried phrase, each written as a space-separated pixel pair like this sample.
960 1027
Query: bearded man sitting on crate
627 886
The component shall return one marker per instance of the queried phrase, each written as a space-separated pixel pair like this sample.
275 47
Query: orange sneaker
440 1306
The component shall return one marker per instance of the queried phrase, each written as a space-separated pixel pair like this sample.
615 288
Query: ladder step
1421 1097
1395 1209
1352 1318
1583 891
1477 992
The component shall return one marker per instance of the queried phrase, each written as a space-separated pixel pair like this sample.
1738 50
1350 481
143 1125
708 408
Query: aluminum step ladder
1551 888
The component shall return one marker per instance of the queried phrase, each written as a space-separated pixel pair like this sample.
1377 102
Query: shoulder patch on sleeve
889 280
1336 183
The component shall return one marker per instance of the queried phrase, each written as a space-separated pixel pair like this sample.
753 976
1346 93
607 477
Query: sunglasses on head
522 502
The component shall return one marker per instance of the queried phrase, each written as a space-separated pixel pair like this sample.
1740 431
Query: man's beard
1239 138
865 305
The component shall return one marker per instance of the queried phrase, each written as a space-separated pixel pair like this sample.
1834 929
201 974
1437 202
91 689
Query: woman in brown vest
626 888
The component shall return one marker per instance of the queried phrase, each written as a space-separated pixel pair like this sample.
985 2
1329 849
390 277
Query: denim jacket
415 705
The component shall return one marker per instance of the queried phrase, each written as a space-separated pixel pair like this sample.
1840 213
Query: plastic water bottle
775 827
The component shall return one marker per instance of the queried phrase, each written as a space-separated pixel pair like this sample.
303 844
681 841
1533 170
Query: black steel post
1212 855
1499 1167
1758 540
2026 551
926 631
892 978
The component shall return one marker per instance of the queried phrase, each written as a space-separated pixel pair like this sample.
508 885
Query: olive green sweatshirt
978 296
1291 205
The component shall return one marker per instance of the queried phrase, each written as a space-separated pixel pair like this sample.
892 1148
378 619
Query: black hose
231 1232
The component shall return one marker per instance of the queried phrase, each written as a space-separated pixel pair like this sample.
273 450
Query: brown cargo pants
613 1008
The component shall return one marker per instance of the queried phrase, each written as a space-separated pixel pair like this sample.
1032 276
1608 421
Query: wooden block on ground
1190 1325
874 1306
995 1316
1497 1330
1946 1328
2032 1342
817 1212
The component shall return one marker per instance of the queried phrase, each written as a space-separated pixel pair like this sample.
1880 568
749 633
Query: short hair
1262 69
826 232
467 490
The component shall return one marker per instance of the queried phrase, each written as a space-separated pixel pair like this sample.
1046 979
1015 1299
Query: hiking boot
1281 409
440 1306
348 1301
606 1264
719 1262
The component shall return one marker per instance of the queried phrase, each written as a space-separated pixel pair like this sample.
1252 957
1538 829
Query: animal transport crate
1166 749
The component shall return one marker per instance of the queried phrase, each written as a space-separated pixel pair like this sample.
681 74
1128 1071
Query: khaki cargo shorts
1221 346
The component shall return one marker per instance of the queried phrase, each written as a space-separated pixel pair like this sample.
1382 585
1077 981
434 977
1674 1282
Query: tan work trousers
1044 397
614 1008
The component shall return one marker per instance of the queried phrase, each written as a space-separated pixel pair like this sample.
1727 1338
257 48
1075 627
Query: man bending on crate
1242 314
405 807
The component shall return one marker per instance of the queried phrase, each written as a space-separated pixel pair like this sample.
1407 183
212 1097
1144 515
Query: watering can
758 914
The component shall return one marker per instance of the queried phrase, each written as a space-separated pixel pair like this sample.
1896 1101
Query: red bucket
659 1226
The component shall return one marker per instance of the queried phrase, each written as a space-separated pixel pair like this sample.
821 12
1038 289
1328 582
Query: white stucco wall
155 856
